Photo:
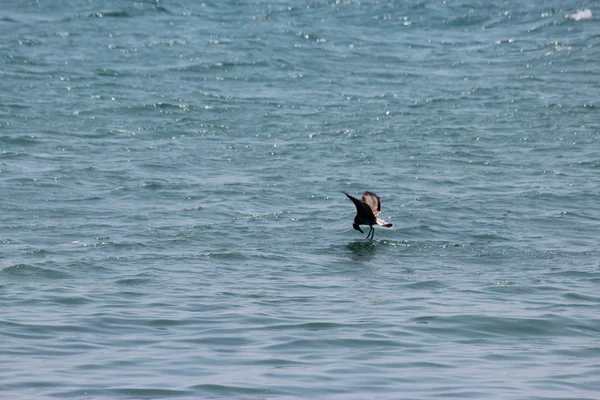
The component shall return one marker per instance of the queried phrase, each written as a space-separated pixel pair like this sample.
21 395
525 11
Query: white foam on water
581 14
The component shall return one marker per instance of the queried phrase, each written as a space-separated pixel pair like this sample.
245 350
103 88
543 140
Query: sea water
173 225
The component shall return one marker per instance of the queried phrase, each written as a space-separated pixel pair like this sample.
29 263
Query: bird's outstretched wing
373 201
356 201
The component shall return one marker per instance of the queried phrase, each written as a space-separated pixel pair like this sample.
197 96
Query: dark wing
356 201
373 201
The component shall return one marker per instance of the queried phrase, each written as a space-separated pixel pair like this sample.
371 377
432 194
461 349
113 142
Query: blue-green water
173 225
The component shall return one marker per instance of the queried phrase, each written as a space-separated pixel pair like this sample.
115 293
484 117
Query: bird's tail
381 222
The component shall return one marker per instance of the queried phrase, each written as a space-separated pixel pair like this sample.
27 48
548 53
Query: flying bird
367 211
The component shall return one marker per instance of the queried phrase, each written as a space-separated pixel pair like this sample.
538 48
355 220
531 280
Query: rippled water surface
173 223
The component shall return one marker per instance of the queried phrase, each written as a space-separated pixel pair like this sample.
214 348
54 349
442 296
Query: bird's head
355 226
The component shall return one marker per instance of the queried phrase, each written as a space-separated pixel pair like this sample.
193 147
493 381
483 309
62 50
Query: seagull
367 211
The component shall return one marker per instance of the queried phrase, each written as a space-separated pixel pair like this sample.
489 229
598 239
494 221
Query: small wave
169 106
132 392
15 267
106 72
275 214
230 390
30 270
426 284
197 208
224 256
153 185
24 140
469 18
133 281
309 326
116 14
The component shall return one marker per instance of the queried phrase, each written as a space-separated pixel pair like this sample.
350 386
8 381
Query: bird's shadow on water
363 250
